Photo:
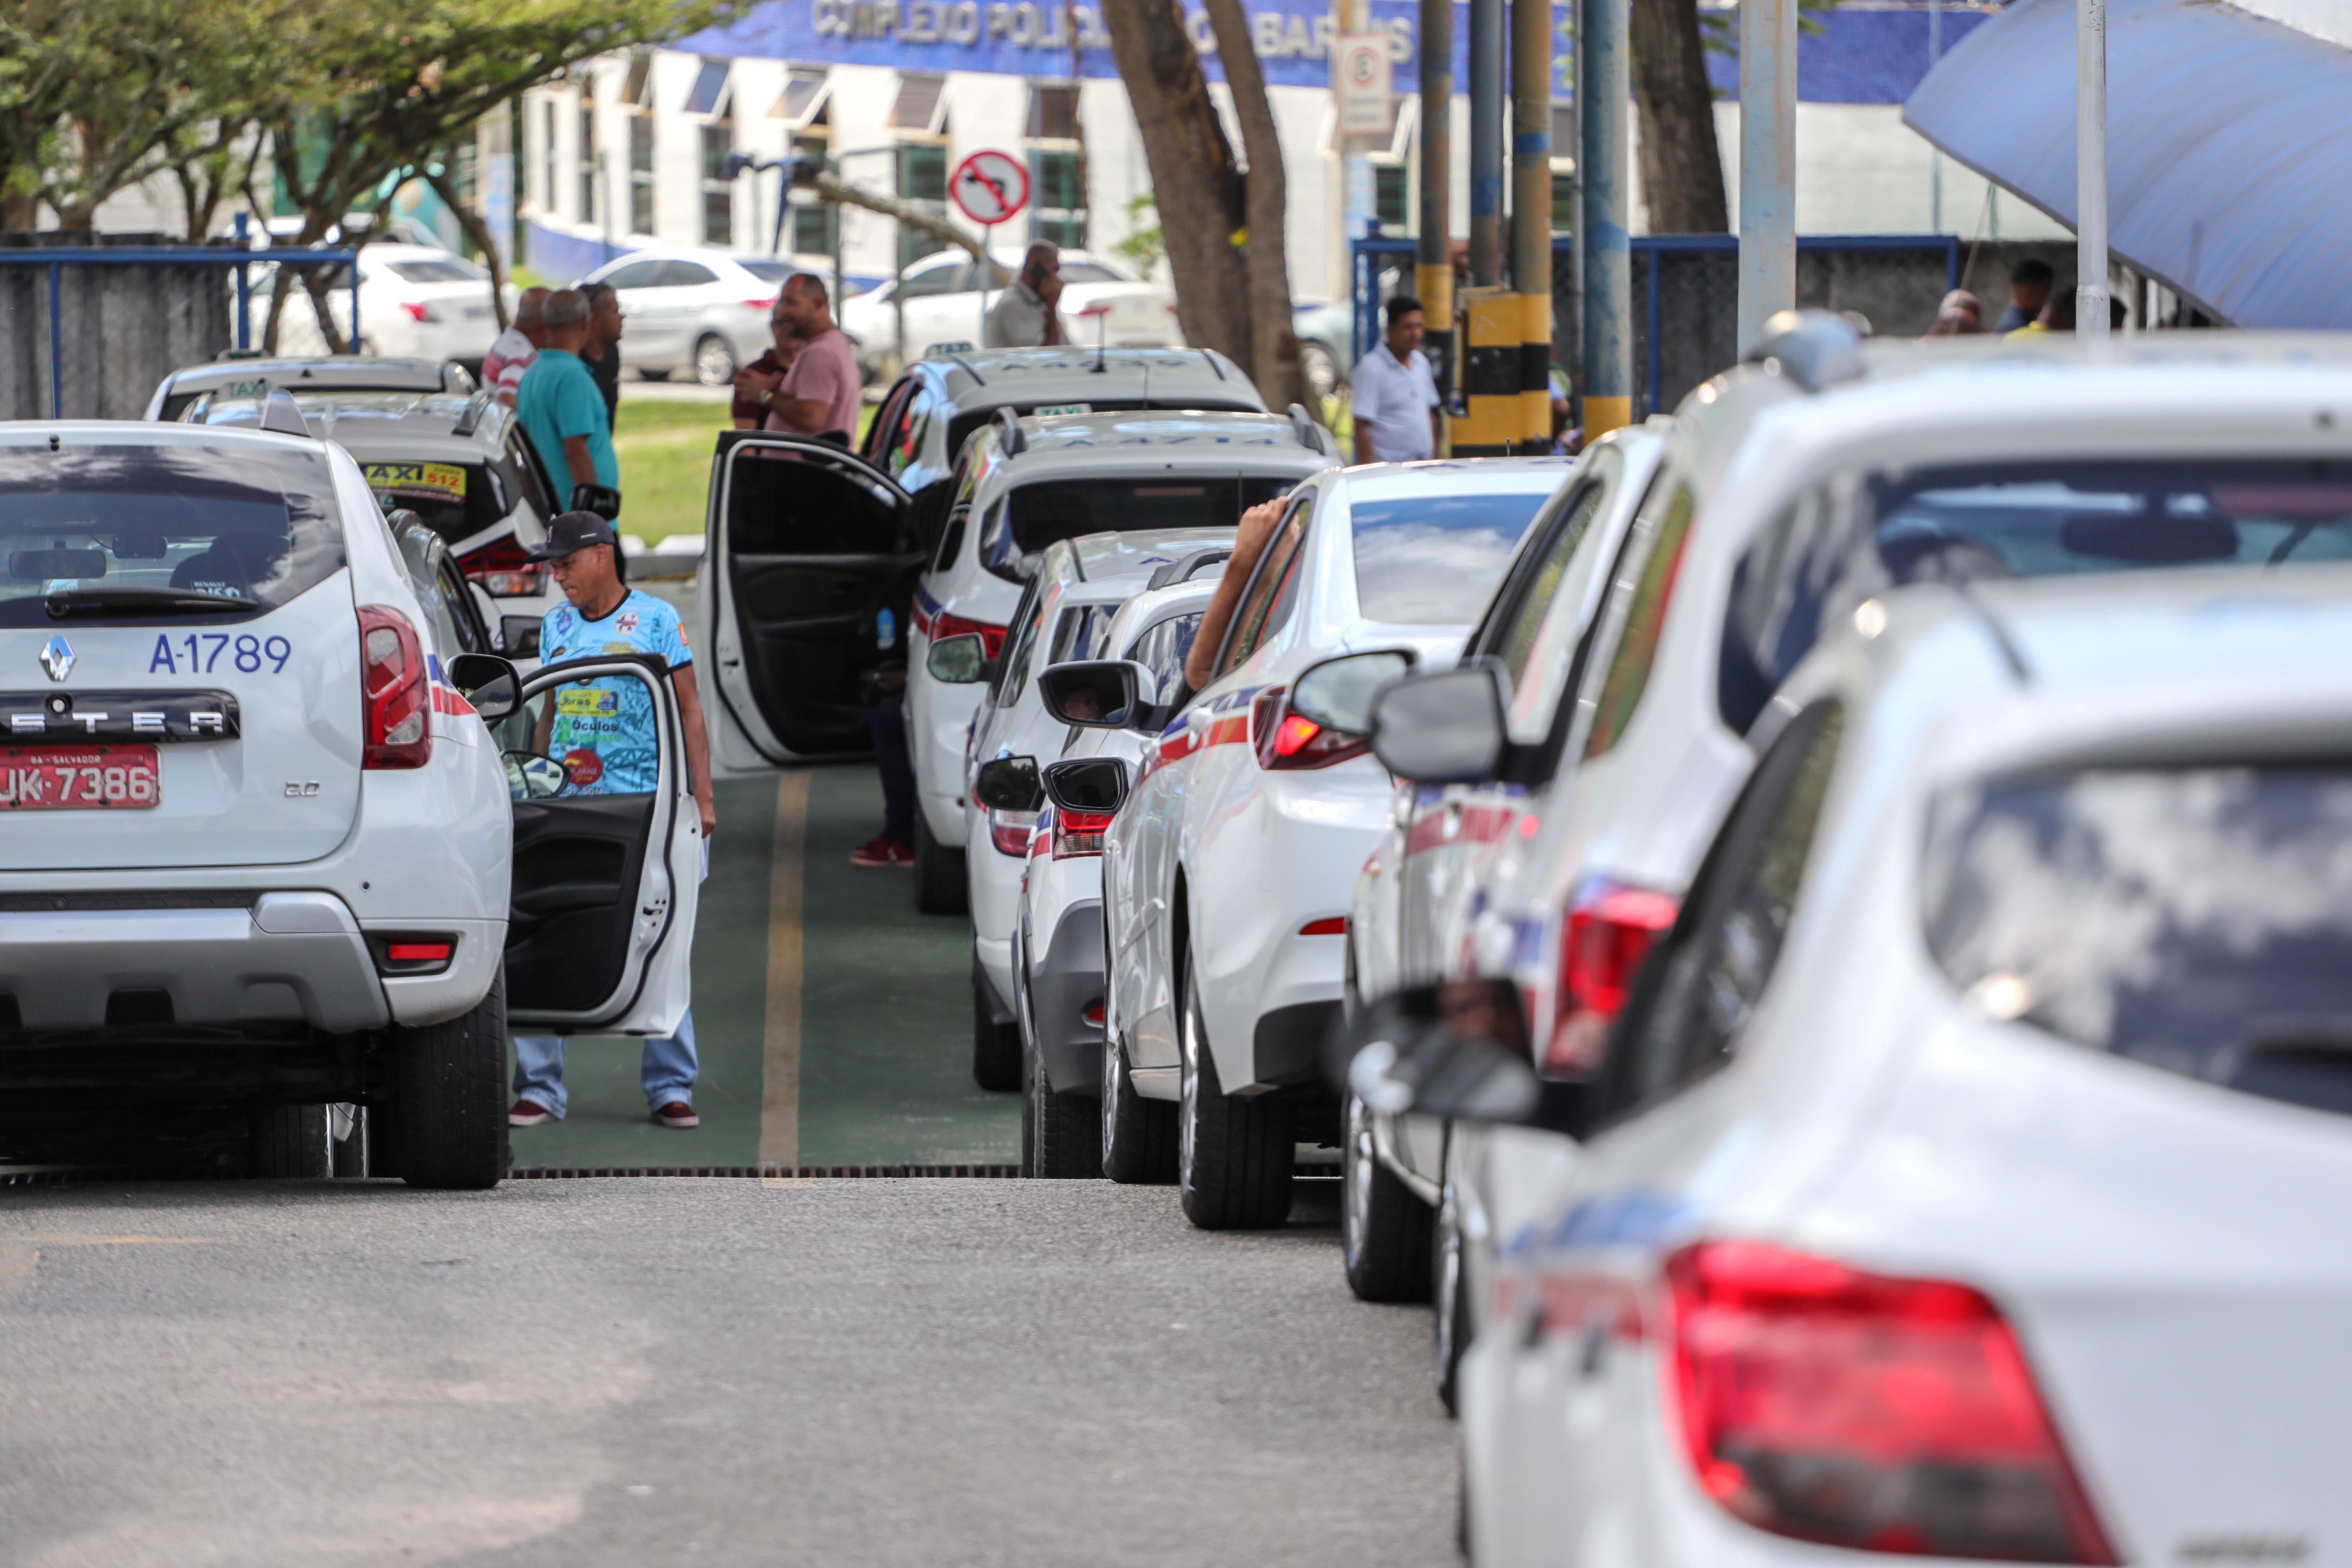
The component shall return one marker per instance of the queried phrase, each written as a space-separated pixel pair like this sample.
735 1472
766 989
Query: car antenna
1102 339
977 379
472 417
1010 439
2018 668
1212 363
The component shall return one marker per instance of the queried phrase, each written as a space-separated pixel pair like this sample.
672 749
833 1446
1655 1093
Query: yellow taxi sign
428 481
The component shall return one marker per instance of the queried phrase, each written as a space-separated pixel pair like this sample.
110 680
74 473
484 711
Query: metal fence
1686 297
87 330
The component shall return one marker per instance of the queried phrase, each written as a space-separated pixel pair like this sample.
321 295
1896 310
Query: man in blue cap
602 734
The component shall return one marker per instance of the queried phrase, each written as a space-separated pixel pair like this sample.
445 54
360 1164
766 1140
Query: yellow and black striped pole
1491 320
1531 24
1433 273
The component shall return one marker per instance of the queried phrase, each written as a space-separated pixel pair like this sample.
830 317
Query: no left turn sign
990 187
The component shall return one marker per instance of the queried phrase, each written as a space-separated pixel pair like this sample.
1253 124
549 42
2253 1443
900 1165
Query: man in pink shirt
819 396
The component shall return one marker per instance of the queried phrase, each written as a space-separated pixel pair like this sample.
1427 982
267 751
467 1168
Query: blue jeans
667 1070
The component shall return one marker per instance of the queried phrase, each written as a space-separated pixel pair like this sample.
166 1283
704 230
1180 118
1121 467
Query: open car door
808 546
608 850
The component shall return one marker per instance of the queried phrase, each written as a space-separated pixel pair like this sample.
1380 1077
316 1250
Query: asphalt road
834 1373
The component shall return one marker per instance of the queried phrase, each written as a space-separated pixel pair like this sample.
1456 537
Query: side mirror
1099 693
492 685
959 660
1444 728
1338 693
1457 1050
521 636
1096 784
1009 783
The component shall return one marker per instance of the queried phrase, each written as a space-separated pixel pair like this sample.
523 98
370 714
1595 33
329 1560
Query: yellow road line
779 1073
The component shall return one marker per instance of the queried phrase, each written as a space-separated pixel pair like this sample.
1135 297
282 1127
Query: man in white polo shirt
1395 394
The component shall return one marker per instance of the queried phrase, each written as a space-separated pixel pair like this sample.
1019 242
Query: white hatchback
415 302
1227 871
943 304
1966 1176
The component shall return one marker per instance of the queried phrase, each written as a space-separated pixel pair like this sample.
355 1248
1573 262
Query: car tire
647 373
349 1155
448 1082
1450 1326
995 1048
1234 1157
714 361
290 1142
1139 1135
1061 1134
939 888
1385 1241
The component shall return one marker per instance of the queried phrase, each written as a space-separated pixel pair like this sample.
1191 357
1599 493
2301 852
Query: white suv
258 845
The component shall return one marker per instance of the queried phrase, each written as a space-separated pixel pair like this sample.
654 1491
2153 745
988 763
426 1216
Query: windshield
244 523
1022 523
1862 533
1434 560
2192 919
456 501
767 271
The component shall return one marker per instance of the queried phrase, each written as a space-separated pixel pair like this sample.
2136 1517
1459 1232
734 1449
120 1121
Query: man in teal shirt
560 404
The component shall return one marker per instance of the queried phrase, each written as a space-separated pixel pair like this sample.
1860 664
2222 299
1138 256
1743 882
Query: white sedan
694 309
415 302
1967 1176
1102 302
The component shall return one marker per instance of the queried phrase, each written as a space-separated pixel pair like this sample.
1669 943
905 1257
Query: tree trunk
1196 184
1682 169
1273 360
478 229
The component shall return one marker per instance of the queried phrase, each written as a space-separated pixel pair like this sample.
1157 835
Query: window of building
1057 168
923 180
805 106
589 156
1391 161
713 97
920 108
638 94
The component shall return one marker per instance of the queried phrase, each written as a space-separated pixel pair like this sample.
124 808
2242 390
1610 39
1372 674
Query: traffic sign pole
988 188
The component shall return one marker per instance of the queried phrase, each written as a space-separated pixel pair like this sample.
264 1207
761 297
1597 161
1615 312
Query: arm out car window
2192 919
1272 574
1699 988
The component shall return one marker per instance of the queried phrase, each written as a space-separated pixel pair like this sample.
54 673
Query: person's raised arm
1257 527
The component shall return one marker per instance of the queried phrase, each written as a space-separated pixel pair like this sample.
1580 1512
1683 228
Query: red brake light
395 701
1010 830
1330 925
1092 1012
1867 1411
418 952
418 310
505 569
1079 833
1285 739
766 304
992 638
1603 938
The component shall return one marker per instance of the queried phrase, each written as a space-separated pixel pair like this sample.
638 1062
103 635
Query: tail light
992 638
1867 1411
418 310
1285 739
397 702
1330 925
767 304
505 569
1079 833
1603 938
1010 830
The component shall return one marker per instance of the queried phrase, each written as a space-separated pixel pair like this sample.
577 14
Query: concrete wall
123 328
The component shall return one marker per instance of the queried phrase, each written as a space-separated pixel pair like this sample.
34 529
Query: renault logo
58 658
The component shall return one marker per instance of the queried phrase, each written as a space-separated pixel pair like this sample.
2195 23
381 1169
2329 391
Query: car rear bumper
1065 977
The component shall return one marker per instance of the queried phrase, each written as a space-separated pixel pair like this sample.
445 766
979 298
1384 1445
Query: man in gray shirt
1024 316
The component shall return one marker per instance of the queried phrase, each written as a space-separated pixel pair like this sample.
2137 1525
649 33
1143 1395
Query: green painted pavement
886 1015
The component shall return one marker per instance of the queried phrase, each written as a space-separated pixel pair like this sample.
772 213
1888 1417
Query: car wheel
1384 1229
1450 1330
940 887
647 373
1061 1134
290 1142
995 1048
1139 1135
1234 1157
714 362
448 1081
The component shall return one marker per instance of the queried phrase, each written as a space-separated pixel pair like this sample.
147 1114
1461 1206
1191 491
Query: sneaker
677 1113
527 1113
882 852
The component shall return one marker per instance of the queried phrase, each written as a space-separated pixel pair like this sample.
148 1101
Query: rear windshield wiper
131 601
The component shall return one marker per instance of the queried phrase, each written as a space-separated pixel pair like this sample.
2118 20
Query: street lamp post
2091 169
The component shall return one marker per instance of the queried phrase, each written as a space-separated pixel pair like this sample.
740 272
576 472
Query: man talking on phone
1024 316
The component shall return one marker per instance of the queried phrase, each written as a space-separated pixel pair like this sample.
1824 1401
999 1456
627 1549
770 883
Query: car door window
1256 618
903 441
1014 673
683 275
1644 588
1527 599
1165 647
530 479
938 281
635 275
464 616
1088 272
878 430
1698 992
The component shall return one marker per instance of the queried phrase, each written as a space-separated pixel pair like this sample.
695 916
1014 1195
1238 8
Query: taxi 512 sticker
206 653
